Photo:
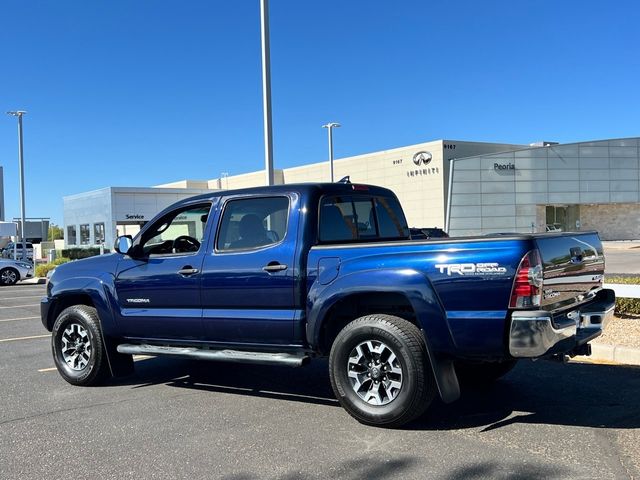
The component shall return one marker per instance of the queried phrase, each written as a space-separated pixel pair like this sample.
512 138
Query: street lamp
19 114
266 91
330 126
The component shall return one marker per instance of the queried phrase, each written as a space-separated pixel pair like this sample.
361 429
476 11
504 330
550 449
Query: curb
33 281
611 355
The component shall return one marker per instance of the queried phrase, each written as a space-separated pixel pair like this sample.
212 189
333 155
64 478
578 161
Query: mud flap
119 364
445 376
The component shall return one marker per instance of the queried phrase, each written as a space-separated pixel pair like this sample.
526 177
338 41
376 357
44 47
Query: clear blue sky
137 93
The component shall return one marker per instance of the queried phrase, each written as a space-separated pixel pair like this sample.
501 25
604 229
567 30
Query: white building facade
579 186
468 188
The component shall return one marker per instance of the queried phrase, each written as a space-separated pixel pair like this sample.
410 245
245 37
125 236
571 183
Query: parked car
7 251
426 233
11 271
283 274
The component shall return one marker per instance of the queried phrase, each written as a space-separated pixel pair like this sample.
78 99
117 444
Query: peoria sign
504 166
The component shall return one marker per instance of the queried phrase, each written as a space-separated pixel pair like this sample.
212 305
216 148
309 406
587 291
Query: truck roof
309 189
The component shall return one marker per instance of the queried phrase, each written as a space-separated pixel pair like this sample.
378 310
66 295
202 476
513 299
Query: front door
158 290
249 276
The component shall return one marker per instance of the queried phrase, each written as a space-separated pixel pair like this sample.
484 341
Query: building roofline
547 147
112 190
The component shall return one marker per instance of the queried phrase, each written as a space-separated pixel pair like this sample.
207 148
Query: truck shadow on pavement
598 396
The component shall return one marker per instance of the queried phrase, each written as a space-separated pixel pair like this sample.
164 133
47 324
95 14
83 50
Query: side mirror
123 244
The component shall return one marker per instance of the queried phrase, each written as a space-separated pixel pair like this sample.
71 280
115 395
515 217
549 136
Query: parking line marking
47 369
24 296
16 319
24 338
21 306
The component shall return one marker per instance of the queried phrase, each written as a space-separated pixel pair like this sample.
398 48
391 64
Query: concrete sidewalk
32 281
619 344
611 355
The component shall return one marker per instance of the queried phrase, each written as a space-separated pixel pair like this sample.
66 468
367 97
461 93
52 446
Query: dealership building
468 188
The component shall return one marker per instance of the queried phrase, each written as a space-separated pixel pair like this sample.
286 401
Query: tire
405 387
78 348
9 276
483 373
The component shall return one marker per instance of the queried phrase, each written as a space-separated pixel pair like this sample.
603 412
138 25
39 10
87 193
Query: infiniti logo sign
422 158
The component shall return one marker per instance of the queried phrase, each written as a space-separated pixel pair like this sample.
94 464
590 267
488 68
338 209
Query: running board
238 356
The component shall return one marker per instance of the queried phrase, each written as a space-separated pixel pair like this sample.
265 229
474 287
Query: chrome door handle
188 271
274 267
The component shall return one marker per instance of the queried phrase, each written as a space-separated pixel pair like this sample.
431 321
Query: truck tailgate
573 266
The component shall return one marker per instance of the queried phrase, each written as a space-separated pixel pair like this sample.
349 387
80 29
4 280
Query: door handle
186 271
274 267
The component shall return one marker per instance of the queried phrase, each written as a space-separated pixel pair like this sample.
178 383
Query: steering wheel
185 243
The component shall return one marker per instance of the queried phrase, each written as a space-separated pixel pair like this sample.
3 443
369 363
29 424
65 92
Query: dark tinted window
349 218
253 223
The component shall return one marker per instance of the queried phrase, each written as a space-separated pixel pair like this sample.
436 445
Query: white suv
7 252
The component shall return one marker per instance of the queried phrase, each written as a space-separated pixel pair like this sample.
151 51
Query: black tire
81 365
406 342
9 276
483 373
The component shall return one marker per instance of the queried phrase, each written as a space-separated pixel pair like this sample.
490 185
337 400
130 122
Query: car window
353 218
180 232
253 223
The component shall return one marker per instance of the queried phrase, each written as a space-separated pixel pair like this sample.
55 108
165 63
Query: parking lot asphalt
179 419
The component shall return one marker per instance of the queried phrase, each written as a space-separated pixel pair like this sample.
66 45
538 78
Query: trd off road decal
465 269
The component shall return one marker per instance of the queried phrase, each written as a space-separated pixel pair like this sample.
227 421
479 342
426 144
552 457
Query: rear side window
361 218
253 223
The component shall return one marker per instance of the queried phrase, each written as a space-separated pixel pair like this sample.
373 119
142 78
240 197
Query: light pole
266 91
330 126
19 114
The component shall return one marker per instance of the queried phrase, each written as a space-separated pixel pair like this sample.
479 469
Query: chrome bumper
538 333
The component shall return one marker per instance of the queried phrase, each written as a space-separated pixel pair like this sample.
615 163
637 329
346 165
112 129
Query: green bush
77 253
626 306
42 270
61 260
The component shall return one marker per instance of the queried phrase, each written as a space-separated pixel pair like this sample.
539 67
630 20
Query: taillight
528 282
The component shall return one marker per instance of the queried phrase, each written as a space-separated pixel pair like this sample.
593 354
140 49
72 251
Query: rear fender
100 291
415 286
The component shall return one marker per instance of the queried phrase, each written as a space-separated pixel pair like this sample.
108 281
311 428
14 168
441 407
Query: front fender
96 288
100 290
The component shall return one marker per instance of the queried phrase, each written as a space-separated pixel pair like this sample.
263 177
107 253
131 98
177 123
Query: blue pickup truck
284 274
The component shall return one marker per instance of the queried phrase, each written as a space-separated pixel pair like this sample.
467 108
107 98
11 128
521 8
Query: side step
237 356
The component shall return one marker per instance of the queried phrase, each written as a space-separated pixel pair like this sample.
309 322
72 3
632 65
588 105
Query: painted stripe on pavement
24 338
16 319
51 369
22 306
24 296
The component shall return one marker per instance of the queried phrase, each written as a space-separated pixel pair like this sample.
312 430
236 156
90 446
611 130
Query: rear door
250 275
573 265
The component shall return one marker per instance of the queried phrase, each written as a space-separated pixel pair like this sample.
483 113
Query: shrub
42 270
77 253
626 306
61 260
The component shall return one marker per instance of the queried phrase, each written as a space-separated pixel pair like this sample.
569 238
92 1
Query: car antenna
345 179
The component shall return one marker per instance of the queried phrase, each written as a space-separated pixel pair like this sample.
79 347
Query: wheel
483 373
78 349
9 276
380 371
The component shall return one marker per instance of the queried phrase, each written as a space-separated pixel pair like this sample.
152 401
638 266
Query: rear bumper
538 333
